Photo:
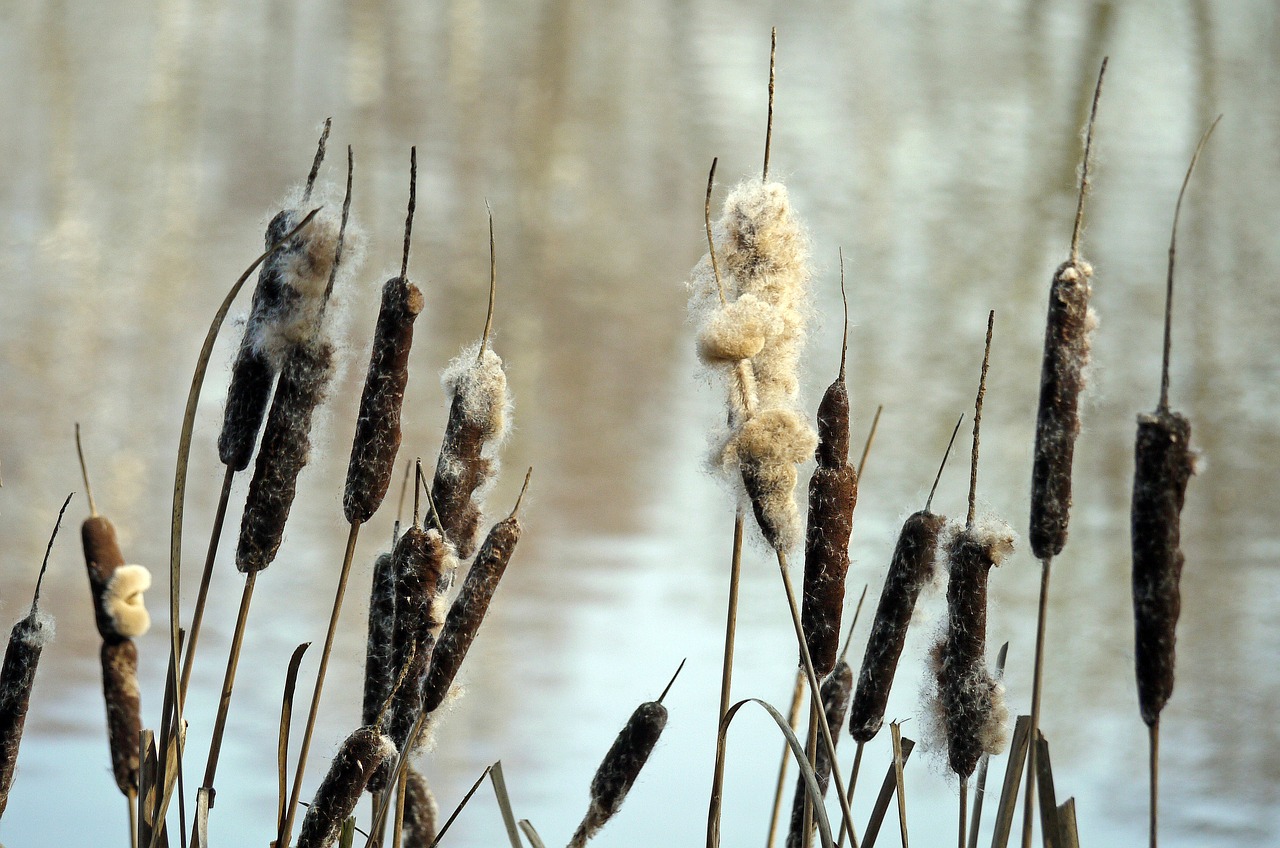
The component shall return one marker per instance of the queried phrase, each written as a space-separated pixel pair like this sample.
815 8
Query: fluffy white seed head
480 382
124 602
738 331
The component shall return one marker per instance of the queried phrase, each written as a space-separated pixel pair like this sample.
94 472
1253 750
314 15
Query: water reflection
937 147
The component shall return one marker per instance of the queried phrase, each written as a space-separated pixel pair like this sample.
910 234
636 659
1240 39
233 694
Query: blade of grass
1048 798
465 799
980 791
202 815
900 783
886 795
286 718
1012 780
504 803
530 834
1068 836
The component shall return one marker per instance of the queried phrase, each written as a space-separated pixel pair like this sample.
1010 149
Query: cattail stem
768 129
206 576
1154 768
853 781
964 809
726 679
131 801
84 472
811 749
286 832
1036 685
228 683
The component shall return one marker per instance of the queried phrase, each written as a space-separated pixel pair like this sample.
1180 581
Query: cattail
102 557
379 670
1066 355
421 813
124 710
364 752
420 558
469 608
1163 465
377 439
18 673
835 703
287 303
833 494
286 447
620 768
767 450
912 566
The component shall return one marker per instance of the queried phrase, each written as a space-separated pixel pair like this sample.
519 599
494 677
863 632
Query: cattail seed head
124 709
1163 466
620 768
737 331
835 704
468 611
377 438
421 813
124 603
379 671
912 566
477 424
362 753
420 559
969 696
247 396
1062 378
286 447
767 448
833 493
102 557
17 677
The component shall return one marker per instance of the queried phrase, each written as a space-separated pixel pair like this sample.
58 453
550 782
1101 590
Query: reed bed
749 301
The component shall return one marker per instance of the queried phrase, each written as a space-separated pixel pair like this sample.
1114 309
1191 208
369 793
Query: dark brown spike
102 557
835 703
419 562
421 813
379 674
934 488
286 447
362 753
620 768
124 710
672 681
318 160
977 420
408 218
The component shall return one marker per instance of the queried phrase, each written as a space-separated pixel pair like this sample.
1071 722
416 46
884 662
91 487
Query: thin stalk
979 791
811 748
964 808
1155 778
793 717
286 834
853 782
131 801
84 472
726 680
493 287
1028 804
768 131
397 832
228 683
205 578
815 693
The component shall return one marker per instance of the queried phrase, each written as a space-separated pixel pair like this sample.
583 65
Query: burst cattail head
835 704
469 609
620 768
912 566
767 448
17 677
286 448
124 710
420 559
123 600
421 813
969 696
362 753
379 671
477 423
1163 466
377 438
737 331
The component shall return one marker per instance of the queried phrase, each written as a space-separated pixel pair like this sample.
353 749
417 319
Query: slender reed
622 764
1163 464
478 411
363 753
835 703
1066 354
18 672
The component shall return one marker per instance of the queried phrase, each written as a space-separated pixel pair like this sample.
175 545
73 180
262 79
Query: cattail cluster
117 590
833 494
1062 378
478 411
1163 466
468 611
377 438
835 704
751 328
970 698
17 677
419 559
913 565
362 753
620 768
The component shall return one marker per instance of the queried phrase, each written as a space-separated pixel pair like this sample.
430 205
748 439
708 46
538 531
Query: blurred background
145 145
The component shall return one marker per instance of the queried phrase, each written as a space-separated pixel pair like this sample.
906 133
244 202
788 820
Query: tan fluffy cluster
754 337
124 602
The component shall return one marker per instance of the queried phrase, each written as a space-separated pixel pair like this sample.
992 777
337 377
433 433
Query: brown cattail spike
469 609
364 752
1163 465
377 438
835 703
833 494
286 448
379 673
421 813
18 673
420 559
620 768
413 204
124 710
102 557
1066 354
